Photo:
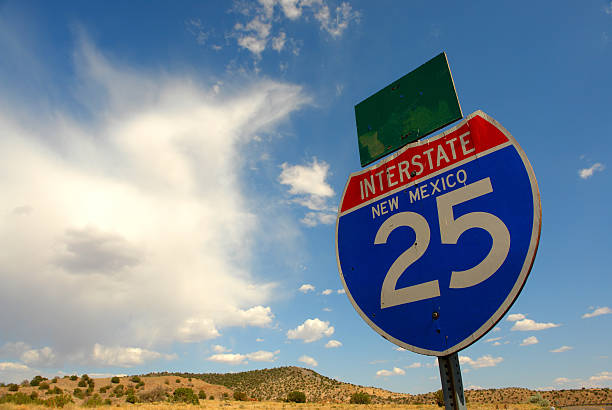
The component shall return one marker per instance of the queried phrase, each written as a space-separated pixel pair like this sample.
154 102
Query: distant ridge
276 383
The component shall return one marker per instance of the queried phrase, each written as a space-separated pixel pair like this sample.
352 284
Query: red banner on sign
417 161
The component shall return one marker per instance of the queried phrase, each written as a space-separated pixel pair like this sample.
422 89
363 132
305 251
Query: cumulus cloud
333 343
598 312
125 356
13 372
602 379
561 349
308 360
531 340
104 186
309 188
515 317
327 292
586 173
311 330
483 361
220 349
306 287
44 357
237 358
395 372
529 325
341 291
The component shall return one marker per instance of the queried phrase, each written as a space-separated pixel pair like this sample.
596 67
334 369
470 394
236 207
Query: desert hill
261 385
276 383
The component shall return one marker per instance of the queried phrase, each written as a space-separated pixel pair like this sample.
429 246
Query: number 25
450 231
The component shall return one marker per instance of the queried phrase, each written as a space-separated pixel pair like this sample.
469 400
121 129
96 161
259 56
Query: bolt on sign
419 103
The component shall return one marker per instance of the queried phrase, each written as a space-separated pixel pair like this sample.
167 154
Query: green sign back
406 110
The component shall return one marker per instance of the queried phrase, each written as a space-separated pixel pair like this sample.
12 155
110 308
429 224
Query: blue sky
171 173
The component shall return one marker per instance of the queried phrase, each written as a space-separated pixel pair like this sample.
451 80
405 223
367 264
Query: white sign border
525 270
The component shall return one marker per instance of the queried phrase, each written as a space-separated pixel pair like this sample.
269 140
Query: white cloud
515 317
531 340
341 291
333 343
268 15
4 366
306 287
603 376
101 192
259 340
496 344
585 173
308 360
237 358
492 339
263 356
338 22
483 361
529 325
308 185
561 349
415 365
400 349
327 292
602 379
598 312
326 309
311 330
220 349
395 372
228 358
125 356
496 329
44 357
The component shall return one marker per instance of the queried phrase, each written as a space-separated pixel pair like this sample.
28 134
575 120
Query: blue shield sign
435 243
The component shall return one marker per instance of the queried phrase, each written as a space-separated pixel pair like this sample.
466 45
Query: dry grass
227 405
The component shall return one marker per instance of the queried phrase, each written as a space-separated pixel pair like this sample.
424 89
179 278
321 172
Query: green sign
406 110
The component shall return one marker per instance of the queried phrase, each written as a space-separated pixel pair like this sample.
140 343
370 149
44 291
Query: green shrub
78 393
211 397
152 396
360 398
240 396
118 390
82 383
185 395
58 401
94 401
18 398
36 380
131 398
202 395
115 379
140 384
25 383
33 395
13 387
107 402
85 377
54 380
296 397
43 386
135 379
439 398
178 380
74 377
103 389
539 400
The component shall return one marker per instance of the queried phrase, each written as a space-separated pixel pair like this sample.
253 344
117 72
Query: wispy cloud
598 312
586 173
561 349
531 340
237 358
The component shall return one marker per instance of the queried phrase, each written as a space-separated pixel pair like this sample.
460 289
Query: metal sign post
452 385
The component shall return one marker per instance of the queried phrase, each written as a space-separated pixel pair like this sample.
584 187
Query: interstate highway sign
435 243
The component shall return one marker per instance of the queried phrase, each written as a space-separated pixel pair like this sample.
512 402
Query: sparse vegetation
439 397
360 398
240 396
115 379
156 395
185 395
135 379
296 397
13 387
